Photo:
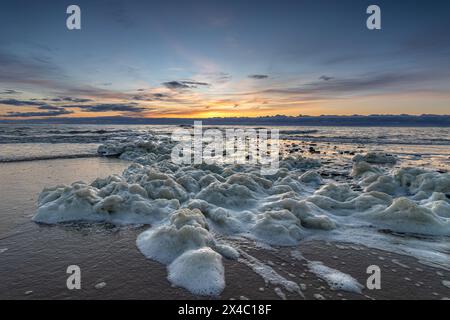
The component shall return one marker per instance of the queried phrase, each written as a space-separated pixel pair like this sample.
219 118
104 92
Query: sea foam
188 206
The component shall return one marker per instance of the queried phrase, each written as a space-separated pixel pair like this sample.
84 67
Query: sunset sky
188 58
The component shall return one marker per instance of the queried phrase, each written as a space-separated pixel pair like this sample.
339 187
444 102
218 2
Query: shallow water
23 181
419 146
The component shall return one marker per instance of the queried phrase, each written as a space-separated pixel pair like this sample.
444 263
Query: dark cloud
195 83
325 78
161 95
258 76
49 107
150 97
52 110
10 91
14 102
105 107
52 113
184 84
175 85
70 99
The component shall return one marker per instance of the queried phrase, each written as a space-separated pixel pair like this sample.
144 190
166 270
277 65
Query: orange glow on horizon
206 107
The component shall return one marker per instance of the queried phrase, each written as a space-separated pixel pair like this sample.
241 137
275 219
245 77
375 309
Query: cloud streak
109 107
258 76
184 84
19 103
10 91
52 113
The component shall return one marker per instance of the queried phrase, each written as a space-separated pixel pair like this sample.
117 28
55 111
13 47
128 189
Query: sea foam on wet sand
188 206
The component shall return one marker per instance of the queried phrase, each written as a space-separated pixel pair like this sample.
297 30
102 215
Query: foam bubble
376 157
199 271
166 242
336 279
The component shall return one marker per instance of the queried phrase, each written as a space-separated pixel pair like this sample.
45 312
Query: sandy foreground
34 258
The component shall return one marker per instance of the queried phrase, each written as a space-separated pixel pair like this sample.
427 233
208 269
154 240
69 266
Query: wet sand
37 256
35 268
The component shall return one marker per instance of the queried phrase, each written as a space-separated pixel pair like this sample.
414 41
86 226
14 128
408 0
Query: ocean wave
46 157
294 132
368 140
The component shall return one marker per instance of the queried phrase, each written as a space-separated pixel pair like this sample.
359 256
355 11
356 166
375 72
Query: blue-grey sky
203 58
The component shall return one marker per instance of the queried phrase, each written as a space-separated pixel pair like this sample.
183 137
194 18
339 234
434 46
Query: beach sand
34 258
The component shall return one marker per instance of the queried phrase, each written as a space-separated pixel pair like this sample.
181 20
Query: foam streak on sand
188 206
269 274
336 279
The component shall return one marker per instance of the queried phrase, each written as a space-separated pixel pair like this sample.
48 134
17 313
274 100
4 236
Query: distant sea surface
43 141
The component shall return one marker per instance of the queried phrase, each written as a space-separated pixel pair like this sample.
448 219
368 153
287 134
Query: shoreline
51 158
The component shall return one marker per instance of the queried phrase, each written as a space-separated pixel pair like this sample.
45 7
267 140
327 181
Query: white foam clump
187 230
336 279
189 250
147 149
311 177
418 181
105 200
409 200
278 227
376 157
199 271
404 215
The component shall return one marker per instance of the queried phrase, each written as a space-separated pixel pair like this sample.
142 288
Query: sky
207 58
